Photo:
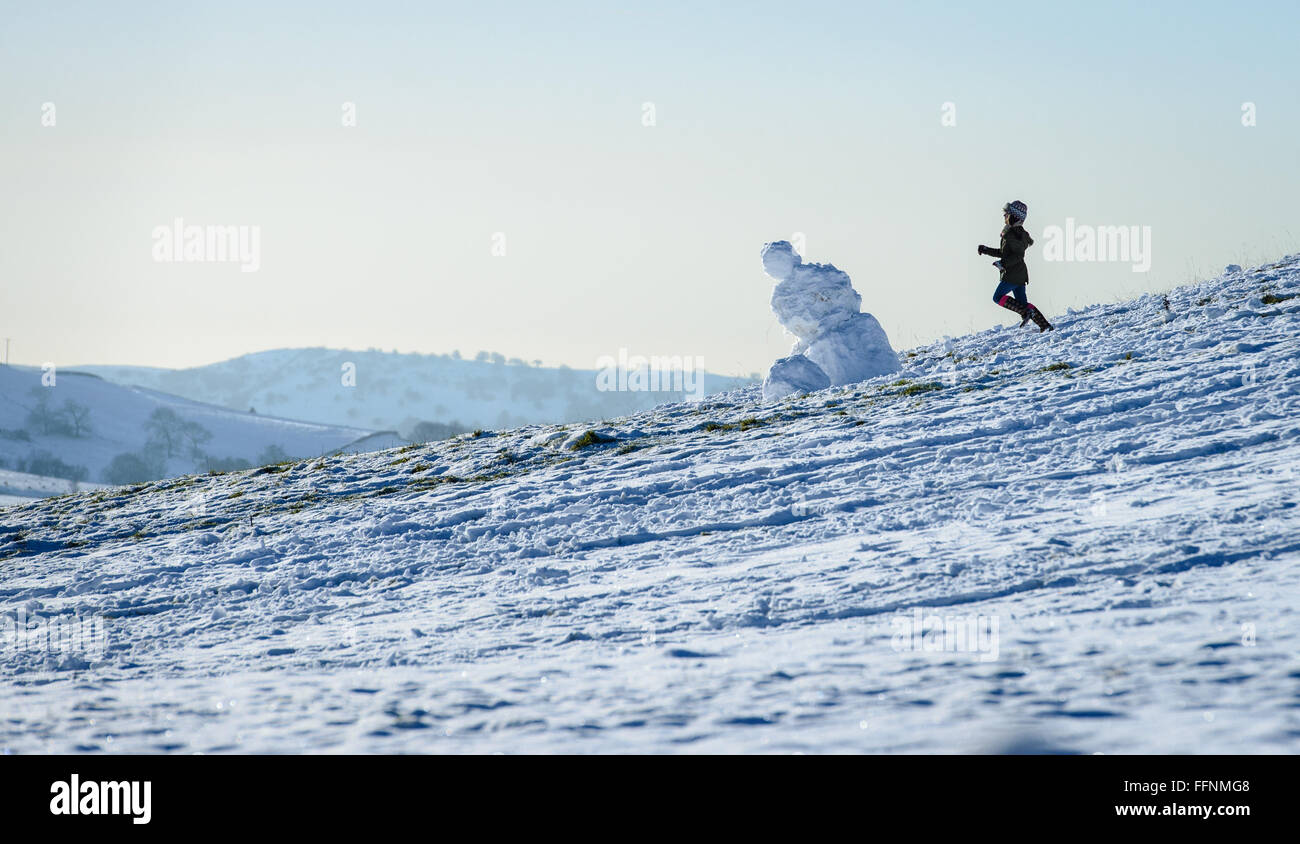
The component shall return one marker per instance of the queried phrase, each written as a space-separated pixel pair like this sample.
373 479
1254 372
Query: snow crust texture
1118 497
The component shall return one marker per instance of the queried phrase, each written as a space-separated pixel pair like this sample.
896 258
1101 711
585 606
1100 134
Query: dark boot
1009 302
1040 320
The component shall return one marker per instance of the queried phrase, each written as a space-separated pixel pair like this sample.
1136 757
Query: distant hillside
396 391
20 487
86 429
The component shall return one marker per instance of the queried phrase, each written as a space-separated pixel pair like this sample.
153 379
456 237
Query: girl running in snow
1013 275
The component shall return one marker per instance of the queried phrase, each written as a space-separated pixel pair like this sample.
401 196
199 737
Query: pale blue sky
476 118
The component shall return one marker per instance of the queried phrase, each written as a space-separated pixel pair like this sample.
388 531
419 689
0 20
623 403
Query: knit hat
1017 209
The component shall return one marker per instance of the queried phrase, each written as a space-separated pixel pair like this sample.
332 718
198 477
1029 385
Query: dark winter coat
1015 240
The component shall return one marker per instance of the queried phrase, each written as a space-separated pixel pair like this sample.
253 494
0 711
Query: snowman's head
780 259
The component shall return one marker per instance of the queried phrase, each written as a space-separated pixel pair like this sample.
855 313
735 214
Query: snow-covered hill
393 391
1109 509
73 426
18 487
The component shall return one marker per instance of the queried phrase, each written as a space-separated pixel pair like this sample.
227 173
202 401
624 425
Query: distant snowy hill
77 427
19 487
392 391
1082 541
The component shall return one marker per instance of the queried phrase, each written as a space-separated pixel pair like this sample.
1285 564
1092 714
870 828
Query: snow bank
818 305
794 374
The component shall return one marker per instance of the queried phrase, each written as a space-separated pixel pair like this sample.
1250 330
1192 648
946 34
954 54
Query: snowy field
118 421
19 487
1113 504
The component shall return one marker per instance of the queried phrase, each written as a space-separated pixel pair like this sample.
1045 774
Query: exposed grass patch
1056 367
743 425
589 438
1272 299
311 498
430 483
